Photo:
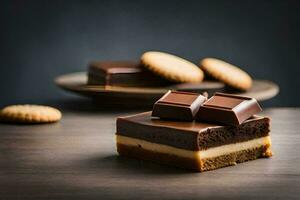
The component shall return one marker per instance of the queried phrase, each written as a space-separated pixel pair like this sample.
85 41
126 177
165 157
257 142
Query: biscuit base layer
211 158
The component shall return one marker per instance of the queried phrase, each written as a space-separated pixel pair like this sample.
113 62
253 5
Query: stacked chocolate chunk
189 131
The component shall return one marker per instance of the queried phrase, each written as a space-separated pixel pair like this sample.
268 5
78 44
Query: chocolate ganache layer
190 135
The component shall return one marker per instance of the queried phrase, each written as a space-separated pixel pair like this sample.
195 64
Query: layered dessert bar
122 73
189 131
193 145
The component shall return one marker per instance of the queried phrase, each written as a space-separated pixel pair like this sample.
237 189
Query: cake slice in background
122 73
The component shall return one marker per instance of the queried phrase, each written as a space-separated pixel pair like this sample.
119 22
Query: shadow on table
120 164
90 106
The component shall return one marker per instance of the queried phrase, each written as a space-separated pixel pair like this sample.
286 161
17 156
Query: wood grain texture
76 159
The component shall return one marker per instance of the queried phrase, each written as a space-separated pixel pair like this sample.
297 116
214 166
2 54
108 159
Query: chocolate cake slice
193 145
122 73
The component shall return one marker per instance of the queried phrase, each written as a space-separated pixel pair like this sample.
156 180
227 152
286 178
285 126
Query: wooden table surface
76 159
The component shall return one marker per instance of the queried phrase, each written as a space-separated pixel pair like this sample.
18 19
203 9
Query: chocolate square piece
178 105
228 109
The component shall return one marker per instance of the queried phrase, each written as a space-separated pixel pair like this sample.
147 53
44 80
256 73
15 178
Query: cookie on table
226 73
29 114
171 67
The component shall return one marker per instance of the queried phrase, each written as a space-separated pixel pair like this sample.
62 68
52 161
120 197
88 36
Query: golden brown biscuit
29 114
227 73
171 67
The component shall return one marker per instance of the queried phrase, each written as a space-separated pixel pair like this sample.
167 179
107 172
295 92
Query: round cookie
29 114
172 67
227 73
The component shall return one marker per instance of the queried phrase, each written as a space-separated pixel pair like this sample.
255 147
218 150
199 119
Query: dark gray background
42 39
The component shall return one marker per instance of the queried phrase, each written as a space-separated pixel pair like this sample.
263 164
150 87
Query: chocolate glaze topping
190 135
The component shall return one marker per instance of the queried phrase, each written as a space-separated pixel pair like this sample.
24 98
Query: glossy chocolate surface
177 105
114 67
228 109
